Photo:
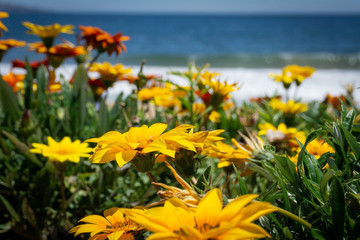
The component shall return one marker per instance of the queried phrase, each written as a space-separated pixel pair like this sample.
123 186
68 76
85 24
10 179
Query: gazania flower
214 92
90 34
316 148
17 63
2 26
293 73
335 101
289 108
48 33
112 43
62 151
227 154
6 44
209 220
109 73
281 136
114 226
139 145
59 52
161 96
13 80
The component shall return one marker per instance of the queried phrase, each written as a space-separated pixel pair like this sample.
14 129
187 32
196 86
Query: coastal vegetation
168 161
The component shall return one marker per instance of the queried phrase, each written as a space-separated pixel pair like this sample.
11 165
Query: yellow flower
109 73
289 108
215 117
162 96
6 44
62 151
198 108
48 33
298 73
293 73
139 145
114 226
209 220
2 26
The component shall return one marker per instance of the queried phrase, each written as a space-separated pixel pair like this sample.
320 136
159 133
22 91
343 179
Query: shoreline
255 82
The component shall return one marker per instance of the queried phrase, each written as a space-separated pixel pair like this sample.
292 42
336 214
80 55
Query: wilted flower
335 101
114 226
209 220
62 151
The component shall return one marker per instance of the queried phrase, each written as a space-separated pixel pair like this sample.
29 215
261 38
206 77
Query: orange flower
335 101
14 80
96 38
90 34
113 43
58 52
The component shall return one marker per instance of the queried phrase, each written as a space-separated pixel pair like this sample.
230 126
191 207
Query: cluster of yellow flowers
185 213
293 73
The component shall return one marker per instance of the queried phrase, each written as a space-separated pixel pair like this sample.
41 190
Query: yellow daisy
62 151
209 220
114 226
2 26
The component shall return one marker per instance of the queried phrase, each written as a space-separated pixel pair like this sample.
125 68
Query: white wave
255 82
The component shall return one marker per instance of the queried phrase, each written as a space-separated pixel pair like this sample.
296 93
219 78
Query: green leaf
348 120
9 208
41 89
203 179
354 145
103 117
287 169
324 183
28 85
242 184
23 148
8 101
337 200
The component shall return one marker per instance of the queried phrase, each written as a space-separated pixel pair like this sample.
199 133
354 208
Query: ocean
223 41
243 48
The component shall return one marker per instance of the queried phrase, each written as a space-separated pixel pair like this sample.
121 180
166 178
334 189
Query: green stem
63 198
152 179
294 217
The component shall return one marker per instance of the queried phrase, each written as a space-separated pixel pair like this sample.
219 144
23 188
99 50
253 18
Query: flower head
289 108
2 26
62 151
48 33
110 73
139 145
6 44
209 220
115 225
96 38
293 73
14 80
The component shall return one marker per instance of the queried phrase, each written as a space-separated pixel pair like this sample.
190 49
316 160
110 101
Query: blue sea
245 41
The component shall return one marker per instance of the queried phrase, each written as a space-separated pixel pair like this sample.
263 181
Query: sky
197 6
